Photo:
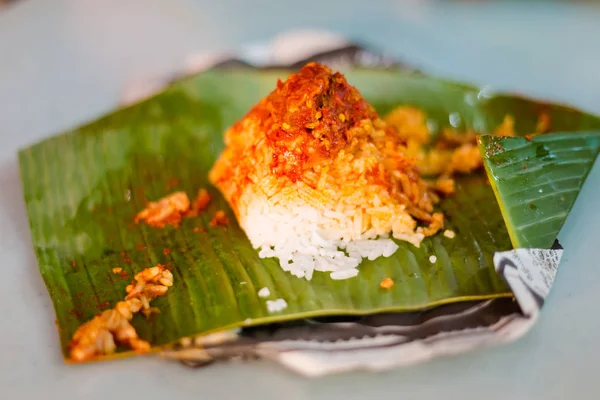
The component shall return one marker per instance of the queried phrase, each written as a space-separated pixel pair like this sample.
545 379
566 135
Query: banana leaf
82 189
537 180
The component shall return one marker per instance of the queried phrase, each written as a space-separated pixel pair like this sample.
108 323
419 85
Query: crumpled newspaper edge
327 349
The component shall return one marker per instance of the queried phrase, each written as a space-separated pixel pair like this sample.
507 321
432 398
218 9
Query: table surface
64 62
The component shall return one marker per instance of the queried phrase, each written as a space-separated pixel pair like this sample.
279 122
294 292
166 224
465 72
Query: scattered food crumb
276 305
168 210
125 257
166 251
432 259
141 247
243 283
219 219
506 128
200 202
436 223
444 185
117 270
264 292
171 209
97 336
449 234
386 283
543 123
172 182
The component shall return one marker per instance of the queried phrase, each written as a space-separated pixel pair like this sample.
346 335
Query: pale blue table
63 62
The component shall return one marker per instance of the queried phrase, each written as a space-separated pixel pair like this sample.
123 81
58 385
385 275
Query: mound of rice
319 181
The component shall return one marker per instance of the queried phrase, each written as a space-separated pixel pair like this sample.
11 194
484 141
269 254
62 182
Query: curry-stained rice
317 137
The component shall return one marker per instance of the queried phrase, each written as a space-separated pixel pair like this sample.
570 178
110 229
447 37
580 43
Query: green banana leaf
83 188
537 181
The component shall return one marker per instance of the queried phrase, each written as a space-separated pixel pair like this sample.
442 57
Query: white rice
276 305
264 292
449 234
344 274
306 239
432 259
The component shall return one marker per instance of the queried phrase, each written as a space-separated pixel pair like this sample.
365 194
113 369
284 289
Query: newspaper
319 347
